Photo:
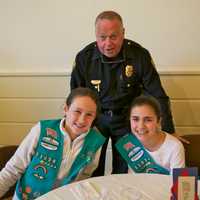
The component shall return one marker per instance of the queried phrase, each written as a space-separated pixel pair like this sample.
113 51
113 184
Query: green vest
137 157
41 174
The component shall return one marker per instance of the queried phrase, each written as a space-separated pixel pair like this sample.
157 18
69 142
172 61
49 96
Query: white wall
45 35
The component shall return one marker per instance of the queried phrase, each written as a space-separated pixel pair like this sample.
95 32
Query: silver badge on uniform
96 84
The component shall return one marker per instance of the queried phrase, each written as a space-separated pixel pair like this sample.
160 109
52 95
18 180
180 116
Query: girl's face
144 122
80 115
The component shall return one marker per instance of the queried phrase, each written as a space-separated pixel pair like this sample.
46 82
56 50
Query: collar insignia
96 84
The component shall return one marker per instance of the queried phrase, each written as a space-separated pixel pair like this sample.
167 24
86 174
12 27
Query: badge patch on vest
128 146
52 133
41 171
50 141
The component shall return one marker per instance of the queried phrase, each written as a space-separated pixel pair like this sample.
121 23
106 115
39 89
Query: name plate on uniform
185 182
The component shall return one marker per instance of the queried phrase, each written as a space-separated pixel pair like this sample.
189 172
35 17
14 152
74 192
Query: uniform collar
128 49
126 53
97 53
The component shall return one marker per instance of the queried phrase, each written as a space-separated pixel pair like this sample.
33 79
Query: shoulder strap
42 171
93 141
137 157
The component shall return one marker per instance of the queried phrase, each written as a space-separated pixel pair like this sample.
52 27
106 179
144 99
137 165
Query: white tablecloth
146 186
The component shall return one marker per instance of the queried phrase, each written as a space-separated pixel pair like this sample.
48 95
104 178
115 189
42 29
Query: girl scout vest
40 176
137 157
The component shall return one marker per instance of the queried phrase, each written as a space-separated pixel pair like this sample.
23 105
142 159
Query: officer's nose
108 41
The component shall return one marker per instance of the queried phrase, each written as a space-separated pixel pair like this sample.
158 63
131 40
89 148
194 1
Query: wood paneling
13 133
34 86
30 110
26 99
182 86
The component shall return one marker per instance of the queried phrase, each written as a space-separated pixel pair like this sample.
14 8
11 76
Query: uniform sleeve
77 75
152 86
16 166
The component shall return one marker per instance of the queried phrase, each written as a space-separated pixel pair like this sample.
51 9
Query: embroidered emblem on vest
137 156
46 160
41 171
50 141
52 133
89 156
27 191
128 146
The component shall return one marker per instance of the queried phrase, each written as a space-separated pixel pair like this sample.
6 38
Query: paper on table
122 186
85 191
118 191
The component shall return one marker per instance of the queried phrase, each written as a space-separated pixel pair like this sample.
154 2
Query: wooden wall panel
27 86
13 133
27 98
186 112
30 110
182 86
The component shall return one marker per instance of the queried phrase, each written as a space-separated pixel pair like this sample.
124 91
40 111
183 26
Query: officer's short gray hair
110 15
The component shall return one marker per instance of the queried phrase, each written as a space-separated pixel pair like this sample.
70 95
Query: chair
192 151
6 153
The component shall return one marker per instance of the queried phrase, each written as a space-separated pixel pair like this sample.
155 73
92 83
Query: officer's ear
123 31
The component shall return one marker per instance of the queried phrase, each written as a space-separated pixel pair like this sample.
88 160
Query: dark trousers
105 126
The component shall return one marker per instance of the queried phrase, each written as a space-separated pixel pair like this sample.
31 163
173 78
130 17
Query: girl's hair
83 92
149 101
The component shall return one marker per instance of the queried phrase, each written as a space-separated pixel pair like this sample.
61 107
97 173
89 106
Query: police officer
118 70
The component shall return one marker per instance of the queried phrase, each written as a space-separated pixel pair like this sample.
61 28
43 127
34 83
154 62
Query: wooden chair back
192 151
6 152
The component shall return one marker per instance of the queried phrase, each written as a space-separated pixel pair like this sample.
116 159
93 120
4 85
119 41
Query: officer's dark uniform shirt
118 81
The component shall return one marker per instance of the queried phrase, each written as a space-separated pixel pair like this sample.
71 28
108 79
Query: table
146 186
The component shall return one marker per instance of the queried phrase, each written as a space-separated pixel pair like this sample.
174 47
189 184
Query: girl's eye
134 119
77 111
148 120
90 115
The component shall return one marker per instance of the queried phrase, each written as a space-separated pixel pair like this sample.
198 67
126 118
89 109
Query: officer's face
79 115
109 36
